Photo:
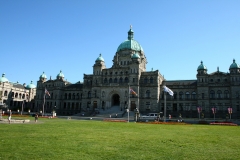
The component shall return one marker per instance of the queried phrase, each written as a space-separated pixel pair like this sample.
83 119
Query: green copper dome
100 58
130 43
135 56
234 65
3 78
60 74
201 66
31 85
43 76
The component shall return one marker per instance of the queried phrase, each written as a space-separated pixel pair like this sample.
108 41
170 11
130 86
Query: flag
46 92
166 89
133 92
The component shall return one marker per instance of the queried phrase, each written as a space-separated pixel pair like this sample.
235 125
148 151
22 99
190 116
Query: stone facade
15 96
107 87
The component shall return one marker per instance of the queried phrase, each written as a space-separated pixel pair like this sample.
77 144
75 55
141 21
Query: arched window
105 80
121 80
20 95
89 94
187 95
148 94
219 94
16 95
78 95
194 95
69 95
145 80
5 93
226 94
151 80
212 94
180 95
126 79
115 80
110 80
23 96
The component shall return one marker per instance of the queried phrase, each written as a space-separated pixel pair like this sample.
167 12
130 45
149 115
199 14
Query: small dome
130 43
31 85
100 58
234 65
135 56
201 66
43 76
3 78
60 75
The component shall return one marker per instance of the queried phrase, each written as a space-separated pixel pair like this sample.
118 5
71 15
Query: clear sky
69 35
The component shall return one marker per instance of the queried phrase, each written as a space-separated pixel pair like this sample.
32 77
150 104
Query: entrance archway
115 100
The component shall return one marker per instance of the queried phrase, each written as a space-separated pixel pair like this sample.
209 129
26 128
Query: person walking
36 117
9 116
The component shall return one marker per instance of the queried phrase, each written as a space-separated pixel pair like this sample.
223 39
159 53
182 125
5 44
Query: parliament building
108 87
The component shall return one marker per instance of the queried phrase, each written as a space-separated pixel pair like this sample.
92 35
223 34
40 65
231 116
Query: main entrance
115 100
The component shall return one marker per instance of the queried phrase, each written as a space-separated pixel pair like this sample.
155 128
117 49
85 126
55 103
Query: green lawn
96 140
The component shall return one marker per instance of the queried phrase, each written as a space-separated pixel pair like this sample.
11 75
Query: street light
128 114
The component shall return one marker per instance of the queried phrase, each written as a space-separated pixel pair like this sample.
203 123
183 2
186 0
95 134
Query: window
5 93
175 95
126 79
110 80
65 96
145 80
73 96
89 94
202 95
151 80
219 94
226 94
187 95
115 80
194 95
181 95
105 80
121 80
133 79
69 96
212 94
147 94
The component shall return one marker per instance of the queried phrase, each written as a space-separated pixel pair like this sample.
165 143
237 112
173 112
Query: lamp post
230 112
214 109
128 114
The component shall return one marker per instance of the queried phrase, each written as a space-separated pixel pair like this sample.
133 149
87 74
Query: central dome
130 43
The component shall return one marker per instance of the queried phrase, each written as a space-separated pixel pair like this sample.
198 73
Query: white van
150 116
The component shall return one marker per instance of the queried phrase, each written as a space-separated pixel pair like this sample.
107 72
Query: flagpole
128 100
22 107
43 102
165 106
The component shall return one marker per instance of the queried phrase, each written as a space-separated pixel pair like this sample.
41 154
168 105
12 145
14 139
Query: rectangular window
202 95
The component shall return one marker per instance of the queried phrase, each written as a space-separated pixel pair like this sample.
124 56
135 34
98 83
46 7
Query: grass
100 140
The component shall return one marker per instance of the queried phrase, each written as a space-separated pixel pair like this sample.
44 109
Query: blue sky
68 35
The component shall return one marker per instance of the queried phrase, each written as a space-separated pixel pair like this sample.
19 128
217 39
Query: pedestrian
36 117
9 116
116 115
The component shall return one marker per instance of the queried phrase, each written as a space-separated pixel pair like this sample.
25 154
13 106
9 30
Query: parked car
149 116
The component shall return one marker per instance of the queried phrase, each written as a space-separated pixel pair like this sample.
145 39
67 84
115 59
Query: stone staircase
111 112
